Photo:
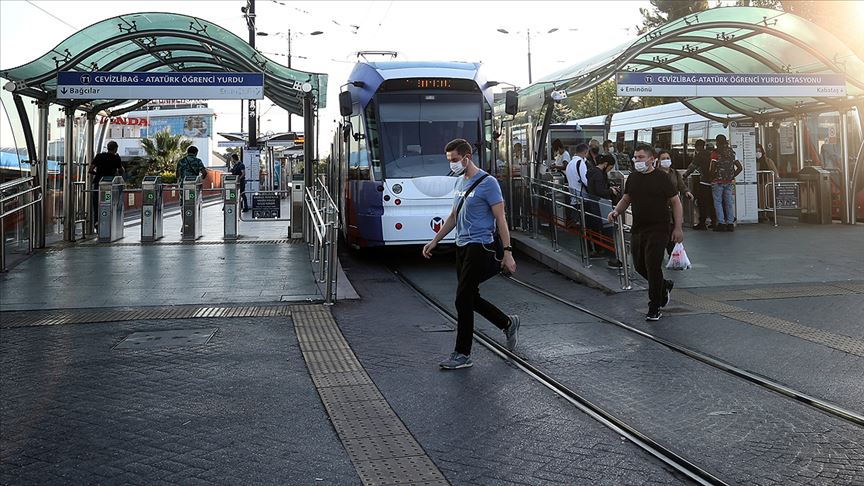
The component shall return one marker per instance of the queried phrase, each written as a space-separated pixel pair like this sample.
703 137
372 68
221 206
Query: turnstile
230 200
191 193
151 208
298 201
111 209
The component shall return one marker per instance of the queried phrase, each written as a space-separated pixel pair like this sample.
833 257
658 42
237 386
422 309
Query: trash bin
815 195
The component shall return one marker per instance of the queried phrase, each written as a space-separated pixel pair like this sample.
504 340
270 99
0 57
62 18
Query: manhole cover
164 339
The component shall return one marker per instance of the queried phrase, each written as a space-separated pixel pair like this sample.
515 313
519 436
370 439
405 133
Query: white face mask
758 155
457 167
640 166
666 163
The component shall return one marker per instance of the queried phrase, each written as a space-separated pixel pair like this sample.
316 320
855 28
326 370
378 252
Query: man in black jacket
598 189
702 191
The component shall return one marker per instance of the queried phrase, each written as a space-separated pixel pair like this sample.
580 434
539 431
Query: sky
417 30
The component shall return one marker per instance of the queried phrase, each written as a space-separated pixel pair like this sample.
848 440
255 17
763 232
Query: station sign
100 85
749 85
266 205
230 143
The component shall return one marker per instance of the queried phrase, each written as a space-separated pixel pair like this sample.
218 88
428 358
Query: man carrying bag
478 208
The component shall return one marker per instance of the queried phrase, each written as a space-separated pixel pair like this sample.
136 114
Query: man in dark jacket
106 164
704 197
600 191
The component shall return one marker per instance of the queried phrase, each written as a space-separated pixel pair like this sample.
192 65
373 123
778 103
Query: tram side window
358 155
494 166
714 129
373 141
676 147
629 141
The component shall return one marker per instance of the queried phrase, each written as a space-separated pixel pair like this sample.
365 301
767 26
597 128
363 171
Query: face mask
666 163
457 167
758 155
641 166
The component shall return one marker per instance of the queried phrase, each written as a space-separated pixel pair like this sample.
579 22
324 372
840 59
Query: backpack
724 166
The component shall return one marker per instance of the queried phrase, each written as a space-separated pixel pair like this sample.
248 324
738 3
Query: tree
665 11
164 150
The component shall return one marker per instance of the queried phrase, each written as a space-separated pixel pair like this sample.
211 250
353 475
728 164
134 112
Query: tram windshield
415 128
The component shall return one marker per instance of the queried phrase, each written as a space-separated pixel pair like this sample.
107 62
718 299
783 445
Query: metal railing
13 192
552 205
321 231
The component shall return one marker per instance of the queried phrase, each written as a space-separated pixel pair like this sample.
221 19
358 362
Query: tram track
763 381
692 471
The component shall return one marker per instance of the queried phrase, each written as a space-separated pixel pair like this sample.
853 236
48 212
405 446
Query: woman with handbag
478 209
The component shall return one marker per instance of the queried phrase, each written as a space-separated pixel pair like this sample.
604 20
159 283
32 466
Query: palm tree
163 150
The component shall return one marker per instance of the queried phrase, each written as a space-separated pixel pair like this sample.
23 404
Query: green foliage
163 150
169 177
665 11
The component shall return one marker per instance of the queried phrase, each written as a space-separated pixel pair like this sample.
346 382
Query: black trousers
472 261
648 251
245 203
705 202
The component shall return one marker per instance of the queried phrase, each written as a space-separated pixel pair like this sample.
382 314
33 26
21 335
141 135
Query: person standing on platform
478 209
665 160
704 199
190 165
239 169
105 164
622 159
725 167
651 193
562 156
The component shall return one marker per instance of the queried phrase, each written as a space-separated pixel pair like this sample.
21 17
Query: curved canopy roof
159 42
721 40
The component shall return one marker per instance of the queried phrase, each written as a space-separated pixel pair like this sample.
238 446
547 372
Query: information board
787 195
739 85
742 137
252 162
266 206
100 85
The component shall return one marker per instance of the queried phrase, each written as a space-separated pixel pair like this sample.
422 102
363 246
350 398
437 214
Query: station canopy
722 40
159 42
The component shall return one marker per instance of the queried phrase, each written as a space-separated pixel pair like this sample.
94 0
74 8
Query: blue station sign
99 85
750 85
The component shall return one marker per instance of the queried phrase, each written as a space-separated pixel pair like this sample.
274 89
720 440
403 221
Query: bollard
621 249
586 262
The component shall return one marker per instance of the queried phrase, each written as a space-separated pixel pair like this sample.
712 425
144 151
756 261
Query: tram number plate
265 206
787 195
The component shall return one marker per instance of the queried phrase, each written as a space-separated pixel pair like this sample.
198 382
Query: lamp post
288 35
528 37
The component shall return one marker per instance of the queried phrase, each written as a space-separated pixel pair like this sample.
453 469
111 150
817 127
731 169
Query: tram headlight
397 188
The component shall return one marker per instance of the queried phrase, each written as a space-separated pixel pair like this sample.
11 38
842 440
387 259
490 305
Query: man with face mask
651 193
478 210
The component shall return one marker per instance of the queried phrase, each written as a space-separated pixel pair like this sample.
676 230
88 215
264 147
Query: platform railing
550 203
321 230
16 196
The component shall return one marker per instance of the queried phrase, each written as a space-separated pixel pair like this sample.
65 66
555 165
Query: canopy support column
799 132
89 139
68 174
848 213
40 213
308 139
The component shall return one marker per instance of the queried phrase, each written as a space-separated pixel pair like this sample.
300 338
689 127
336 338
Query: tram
391 173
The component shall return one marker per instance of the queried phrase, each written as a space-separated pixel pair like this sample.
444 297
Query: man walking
651 192
704 199
190 165
478 208
106 164
239 169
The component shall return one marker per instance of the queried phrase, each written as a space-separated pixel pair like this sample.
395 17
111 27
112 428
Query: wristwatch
508 248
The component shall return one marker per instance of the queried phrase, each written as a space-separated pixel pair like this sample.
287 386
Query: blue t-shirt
475 222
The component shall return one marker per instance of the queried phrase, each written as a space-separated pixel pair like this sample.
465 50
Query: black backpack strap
464 196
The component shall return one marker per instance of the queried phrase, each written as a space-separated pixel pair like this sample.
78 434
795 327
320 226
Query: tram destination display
787 195
266 206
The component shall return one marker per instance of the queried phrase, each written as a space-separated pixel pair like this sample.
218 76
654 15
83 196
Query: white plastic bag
678 260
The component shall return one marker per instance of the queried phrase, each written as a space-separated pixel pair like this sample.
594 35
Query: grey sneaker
512 333
456 361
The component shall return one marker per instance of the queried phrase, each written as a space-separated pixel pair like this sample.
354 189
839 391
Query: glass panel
415 129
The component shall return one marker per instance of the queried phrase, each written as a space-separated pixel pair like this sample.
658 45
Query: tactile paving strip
380 447
832 340
782 292
86 316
